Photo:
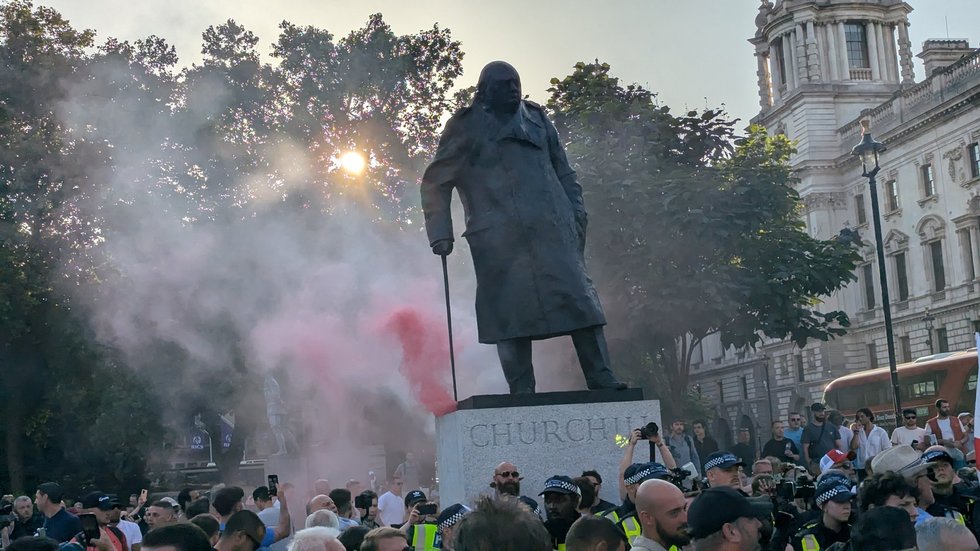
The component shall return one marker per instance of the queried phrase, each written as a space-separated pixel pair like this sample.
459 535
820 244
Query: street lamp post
928 320
868 150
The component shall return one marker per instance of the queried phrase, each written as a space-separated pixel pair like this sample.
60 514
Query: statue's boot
515 359
590 345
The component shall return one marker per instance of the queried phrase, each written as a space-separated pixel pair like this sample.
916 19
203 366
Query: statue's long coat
525 222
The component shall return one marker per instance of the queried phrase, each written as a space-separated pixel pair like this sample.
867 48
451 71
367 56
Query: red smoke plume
425 347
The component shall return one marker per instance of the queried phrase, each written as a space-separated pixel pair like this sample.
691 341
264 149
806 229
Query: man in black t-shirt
59 524
780 447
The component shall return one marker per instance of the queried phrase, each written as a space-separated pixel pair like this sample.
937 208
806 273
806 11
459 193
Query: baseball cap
836 475
97 500
832 491
901 459
714 508
723 460
52 490
414 497
560 484
834 457
639 472
937 453
451 515
817 406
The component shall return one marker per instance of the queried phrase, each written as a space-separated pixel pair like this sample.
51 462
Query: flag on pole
976 403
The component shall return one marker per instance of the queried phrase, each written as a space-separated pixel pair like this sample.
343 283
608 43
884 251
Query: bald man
321 502
662 510
506 480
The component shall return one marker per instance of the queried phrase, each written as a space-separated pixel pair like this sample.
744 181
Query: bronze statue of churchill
525 225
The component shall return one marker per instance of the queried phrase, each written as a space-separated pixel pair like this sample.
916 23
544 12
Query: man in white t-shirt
837 419
267 505
391 508
134 538
910 434
948 432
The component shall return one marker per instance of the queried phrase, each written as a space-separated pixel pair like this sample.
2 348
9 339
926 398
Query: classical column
845 68
812 53
801 64
765 97
833 59
869 34
774 76
905 52
892 53
882 51
789 58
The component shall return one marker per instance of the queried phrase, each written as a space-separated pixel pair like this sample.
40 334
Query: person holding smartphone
421 527
95 517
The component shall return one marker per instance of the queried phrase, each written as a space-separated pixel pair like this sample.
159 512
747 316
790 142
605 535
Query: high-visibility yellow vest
810 543
611 515
424 537
631 527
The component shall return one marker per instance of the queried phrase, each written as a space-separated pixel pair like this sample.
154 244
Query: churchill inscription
550 431
540 440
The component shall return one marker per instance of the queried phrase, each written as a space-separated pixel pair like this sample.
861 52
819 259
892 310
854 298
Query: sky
692 53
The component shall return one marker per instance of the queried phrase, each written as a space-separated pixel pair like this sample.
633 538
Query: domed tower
821 63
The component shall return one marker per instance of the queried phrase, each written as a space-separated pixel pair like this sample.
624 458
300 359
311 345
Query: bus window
968 395
924 385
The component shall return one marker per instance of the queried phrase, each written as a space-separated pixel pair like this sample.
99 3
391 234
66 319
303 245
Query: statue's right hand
442 247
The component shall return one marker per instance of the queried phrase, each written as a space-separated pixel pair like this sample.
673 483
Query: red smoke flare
425 345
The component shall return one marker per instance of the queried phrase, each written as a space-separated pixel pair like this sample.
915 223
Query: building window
857 45
902 276
966 252
800 374
721 392
867 275
745 388
862 213
976 326
872 356
891 196
928 181
938 269
974 151
905 348
942 340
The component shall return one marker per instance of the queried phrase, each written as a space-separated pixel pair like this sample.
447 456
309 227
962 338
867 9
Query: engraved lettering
505 432
597 425
551 429
532 437
568 430
482 443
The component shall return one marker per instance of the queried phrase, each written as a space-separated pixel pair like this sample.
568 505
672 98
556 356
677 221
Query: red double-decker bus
948 375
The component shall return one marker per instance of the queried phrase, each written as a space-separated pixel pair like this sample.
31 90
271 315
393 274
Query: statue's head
499 87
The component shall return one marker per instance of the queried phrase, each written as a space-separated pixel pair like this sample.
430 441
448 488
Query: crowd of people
818 485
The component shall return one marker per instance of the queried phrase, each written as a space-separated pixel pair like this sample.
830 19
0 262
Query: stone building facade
823 66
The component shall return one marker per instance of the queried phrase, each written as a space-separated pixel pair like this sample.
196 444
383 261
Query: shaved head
662 510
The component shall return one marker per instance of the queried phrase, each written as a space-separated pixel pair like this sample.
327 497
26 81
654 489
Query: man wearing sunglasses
953 499
840 461
244 531
910 433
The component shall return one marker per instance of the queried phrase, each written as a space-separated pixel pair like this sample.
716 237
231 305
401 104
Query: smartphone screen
273 484
90 525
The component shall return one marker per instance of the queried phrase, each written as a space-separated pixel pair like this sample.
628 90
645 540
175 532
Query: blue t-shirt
796 435
63 526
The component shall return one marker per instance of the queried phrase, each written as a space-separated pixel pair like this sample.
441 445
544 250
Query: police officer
625 515
447 521
561 498
954 499
834 501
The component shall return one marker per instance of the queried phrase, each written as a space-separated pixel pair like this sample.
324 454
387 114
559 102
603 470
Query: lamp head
868 149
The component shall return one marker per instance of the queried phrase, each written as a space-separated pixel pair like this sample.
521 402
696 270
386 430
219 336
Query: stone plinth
542 434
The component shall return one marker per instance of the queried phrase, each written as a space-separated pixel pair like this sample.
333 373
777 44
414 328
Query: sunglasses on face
509 474
910 416
846 467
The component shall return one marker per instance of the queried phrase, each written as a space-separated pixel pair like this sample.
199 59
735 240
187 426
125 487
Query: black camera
6 514
649 430
802 488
